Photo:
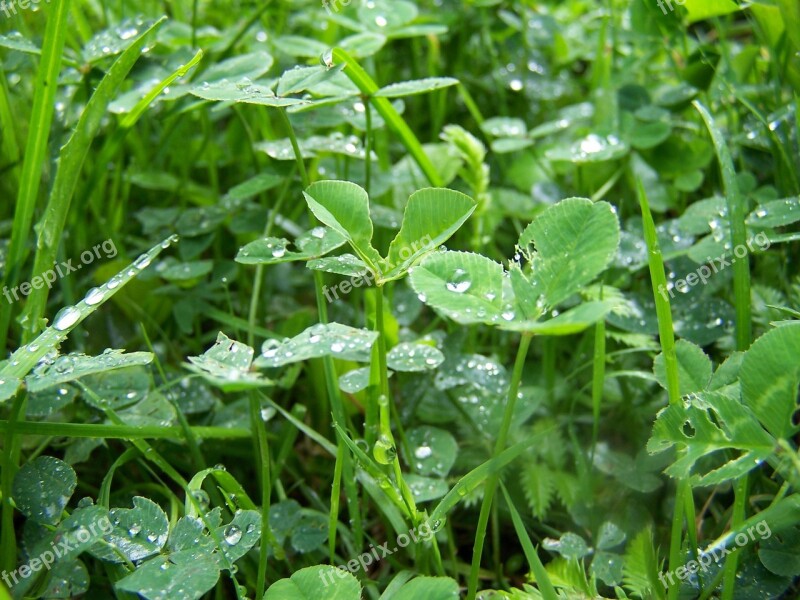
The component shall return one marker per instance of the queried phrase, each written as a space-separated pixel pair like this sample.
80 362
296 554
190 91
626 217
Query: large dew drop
233 535
66 318
384 450
94 296
459 282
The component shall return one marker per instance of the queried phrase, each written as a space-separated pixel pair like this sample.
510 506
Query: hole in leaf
712 416
688 430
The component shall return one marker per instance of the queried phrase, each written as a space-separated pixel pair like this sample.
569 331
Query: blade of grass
22 362
491 482
35 151
534 562
737 212
368 87
684 500
145 432
26 357
741 292
331 383
70 164
598 376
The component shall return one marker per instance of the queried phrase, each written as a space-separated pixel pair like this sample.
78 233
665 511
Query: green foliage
221 421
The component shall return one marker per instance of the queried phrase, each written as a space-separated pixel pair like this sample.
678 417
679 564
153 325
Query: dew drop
233 535
66 318
94 296
423 452
459 282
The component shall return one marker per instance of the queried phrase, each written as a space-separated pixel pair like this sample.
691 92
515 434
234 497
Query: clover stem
384 407
347 470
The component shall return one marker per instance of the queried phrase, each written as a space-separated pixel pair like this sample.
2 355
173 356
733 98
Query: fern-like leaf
640 571
539 486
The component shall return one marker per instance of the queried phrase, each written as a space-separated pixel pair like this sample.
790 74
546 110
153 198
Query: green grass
562 241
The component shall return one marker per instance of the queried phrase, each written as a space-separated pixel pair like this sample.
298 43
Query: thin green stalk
198 459
384 401
492 480
70 165
598 377
35 151
534 562
472 107
737 210
368 87
368 146
114 432
684 500
258 280
331 383
11 452
261 445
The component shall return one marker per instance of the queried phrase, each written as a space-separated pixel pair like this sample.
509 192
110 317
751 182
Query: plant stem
684 500
598 377
368 87
11 452
741 291
492 480
384 408
35 150
332 386
263 462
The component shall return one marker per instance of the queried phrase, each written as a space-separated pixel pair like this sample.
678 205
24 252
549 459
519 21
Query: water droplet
423 452
143 261
270 348
66 318
384 450
94 296
233 535
459 282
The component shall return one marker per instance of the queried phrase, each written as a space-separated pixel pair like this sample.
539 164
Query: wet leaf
418 86
432 450
70 367
138 532
227 365
334 339
42 488
408 356
179 576
312 583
